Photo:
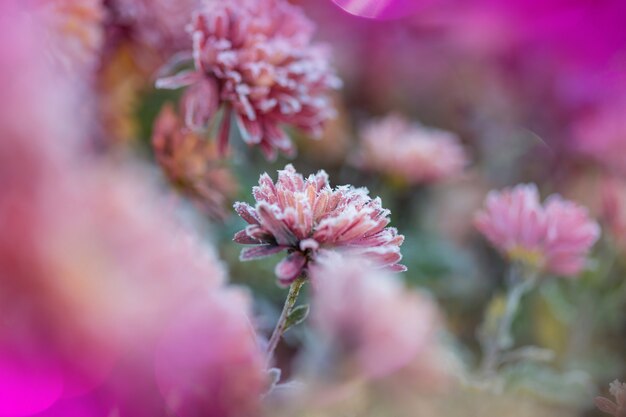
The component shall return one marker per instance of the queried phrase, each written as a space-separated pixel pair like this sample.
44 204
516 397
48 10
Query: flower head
554 237
414 153
191 163
617 408
256 59
306 216
369 315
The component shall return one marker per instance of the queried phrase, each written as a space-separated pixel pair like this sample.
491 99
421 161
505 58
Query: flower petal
182 79
261 251
243 238
276 227
290 268
246 212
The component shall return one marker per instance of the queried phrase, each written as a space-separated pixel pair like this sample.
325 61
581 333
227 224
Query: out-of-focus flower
306 216
92 267
615 408
73 32
155 24
224 377
369 317
191 163
256 60
555 237
120 83
140 37
411 152
601 135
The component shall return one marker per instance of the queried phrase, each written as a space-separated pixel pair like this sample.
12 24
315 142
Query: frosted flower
368 315
306 216
554 237
617 408
191 163
412 152
256 60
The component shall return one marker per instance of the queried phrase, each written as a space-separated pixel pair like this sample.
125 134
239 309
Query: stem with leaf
497 340
283 320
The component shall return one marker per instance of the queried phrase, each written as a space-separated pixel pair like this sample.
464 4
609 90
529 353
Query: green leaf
297 316
536 380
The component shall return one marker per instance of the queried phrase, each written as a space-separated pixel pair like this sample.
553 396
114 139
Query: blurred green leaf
297 316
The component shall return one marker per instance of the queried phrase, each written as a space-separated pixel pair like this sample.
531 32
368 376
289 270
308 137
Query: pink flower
601 135
256 59
368 315
94 265
192 165
305 217
410 152
617 408
208 361
555 237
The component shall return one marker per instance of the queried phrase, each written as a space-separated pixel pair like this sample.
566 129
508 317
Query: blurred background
515 92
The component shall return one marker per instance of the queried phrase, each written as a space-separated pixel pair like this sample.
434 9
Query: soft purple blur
93 261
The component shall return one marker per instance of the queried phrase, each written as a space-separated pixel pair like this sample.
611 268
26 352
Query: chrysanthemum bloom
554 237
368 317
411 152
305 216
191 163
255 59
618 407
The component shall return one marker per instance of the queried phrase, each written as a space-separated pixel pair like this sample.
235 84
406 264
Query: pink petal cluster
256 60
306 216
192 165
410 152
615 408
554 237
368 315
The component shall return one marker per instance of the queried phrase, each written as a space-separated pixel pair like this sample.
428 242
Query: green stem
501 340
290 302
